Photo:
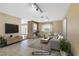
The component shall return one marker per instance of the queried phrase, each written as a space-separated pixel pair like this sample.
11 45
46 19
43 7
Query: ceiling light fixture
38 9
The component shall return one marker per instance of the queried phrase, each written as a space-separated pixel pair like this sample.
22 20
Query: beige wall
57 26
5 18
73 27
64 24
39 26
30 25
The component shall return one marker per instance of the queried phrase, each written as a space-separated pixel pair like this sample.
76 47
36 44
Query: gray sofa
54 45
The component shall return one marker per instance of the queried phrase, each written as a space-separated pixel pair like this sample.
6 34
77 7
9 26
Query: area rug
37 44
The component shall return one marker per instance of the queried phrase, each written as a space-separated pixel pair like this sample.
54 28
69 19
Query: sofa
55 42
54 45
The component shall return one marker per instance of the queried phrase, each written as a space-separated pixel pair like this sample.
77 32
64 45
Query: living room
13 37
29 29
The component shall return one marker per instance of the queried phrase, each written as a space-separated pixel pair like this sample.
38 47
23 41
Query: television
11 28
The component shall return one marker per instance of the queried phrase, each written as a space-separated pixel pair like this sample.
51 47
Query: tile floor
19 49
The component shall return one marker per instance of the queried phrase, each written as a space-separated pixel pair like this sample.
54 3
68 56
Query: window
46 27
24 29
34 27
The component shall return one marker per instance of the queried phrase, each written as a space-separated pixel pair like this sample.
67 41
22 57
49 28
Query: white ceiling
54 11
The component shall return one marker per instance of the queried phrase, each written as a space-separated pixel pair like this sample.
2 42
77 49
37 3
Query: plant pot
63 53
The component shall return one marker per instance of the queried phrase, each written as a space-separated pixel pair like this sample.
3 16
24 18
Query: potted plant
1 38
2 41
64 47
